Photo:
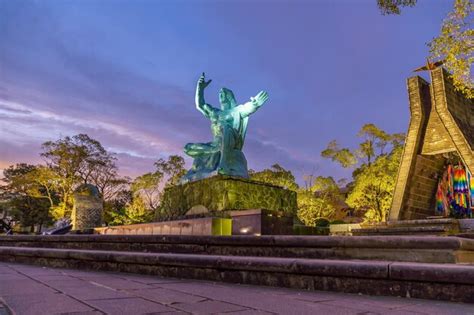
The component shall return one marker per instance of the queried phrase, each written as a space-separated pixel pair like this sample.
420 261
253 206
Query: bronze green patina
221 193
223 155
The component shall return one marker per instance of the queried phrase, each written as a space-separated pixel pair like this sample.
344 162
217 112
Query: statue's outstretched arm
254 104
201 104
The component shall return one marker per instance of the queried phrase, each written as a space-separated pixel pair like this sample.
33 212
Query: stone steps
411 227
417 230
452 282
424 267
389 248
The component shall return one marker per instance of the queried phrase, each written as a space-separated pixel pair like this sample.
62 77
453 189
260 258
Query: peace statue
228 125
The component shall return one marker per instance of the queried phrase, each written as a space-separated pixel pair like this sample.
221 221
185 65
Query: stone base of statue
256 208
226 193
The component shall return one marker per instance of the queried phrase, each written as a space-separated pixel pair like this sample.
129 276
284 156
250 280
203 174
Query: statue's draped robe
229 160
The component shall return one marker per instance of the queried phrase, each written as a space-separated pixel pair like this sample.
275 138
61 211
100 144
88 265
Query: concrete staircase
422 267
411 227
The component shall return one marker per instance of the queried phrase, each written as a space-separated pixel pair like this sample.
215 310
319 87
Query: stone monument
218 179
88 208
442 123
441 131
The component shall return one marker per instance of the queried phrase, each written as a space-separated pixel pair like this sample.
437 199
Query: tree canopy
38 193
376 162
394 6
318 200
275 175
27 202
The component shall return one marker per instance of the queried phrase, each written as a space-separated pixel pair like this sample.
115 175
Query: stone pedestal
224 193
88 208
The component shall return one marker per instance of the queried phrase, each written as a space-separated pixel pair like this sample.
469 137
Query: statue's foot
232 172
224 171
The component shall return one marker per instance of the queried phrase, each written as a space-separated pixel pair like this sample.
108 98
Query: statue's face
226 98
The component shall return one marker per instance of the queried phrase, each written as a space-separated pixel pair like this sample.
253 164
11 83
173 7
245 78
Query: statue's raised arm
201 105
254 104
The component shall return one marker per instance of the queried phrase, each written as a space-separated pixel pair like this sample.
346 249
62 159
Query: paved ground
26 289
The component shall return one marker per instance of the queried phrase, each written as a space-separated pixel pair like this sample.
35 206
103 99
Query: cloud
57 81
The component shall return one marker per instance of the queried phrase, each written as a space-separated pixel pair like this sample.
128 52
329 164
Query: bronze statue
223 155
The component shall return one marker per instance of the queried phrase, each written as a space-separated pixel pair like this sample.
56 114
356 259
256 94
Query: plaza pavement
26 289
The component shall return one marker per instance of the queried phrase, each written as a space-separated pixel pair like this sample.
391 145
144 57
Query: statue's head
227 99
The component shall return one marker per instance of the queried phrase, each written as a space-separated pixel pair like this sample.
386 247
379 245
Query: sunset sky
124 72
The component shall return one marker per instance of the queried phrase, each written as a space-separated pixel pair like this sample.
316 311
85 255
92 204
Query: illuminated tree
173 169
275 175
80 159
314 202
28 203
147 187
371 190
319 201
455 45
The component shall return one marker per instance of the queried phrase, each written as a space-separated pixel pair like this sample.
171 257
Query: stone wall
420 107
419 201
198 226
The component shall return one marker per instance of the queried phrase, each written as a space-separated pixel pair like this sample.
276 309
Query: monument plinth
226 193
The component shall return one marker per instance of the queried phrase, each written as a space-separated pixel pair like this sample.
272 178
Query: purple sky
124 72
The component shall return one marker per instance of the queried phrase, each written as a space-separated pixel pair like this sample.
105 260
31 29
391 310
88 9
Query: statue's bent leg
206 158
232 160
197 149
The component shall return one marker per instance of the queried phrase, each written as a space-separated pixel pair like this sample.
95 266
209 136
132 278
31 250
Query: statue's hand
202 84
260 99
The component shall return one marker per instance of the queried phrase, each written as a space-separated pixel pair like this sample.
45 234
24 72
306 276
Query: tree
29 211
373 186
341 155
115 209
374 138
70 162
314 202
393 6
454 45
28 201
275 175
374 178
128 208
44 184
80 159
320 201
138 212
173 169
104 176
147 187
